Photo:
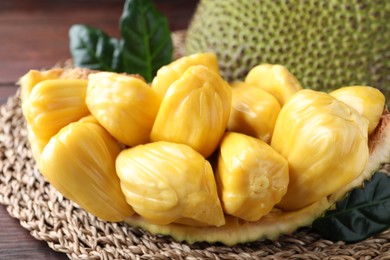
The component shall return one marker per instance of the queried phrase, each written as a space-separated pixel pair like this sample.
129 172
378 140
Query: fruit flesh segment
167 182
253 111
79 162
168 74
124 105
252 177
368 101
325 144
194 111
51 105
33 77
275 79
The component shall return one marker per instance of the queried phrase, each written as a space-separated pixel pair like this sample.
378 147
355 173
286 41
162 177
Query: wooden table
34 35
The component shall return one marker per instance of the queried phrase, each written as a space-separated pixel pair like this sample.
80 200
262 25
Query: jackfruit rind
236 231
325 44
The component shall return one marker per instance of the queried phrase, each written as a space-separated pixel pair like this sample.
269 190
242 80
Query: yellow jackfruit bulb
124 105
36 144
53 104
253 111
275 79
194 111
168 74
325 143
251 177
33 77
368 101
80 163
167 182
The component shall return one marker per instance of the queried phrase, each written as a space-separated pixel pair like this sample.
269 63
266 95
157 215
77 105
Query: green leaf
363 213
146 43
92 48
144 47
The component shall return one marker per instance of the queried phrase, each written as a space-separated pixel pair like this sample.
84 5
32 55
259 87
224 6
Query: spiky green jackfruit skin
325 44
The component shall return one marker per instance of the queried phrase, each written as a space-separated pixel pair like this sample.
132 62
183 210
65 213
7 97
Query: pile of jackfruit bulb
191 148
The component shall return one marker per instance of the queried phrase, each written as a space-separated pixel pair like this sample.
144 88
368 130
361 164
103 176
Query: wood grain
34 35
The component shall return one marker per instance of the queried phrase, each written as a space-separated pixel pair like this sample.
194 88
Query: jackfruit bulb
325 44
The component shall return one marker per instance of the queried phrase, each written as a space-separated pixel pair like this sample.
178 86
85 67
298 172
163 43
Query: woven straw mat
67 228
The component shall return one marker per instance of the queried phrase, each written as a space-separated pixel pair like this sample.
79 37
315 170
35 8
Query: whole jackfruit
325 44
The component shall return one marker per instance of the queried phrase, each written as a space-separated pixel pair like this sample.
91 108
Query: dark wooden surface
34 35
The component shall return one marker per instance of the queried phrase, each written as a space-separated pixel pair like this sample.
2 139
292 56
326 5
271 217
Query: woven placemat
67 228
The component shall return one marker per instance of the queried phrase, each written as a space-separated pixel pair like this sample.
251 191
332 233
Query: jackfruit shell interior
277 222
